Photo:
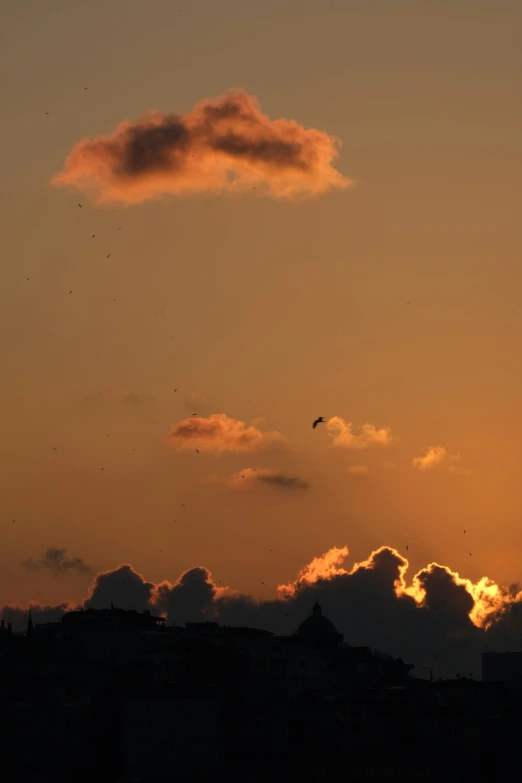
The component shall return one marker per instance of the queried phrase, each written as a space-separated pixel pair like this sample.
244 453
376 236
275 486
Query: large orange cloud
220 433
343 434
225 144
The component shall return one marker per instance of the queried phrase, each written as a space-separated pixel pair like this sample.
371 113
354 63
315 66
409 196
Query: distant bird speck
175 390
406 547
194 414
197 451
262 583
70 292
319 420
27 278
119 228
93 236
109 255
54 448
80 206
47 113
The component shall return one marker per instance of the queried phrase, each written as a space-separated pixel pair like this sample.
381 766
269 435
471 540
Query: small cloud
357 470
220 433
436 456
344 436
57 562
221 145
249 476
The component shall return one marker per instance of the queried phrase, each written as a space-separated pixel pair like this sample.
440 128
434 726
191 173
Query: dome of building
318 630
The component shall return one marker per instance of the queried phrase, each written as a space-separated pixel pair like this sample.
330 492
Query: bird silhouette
197 451
406 547
80 206
54 448
70 292
194 414
93 236
109 255
47 113
175 390
27 278
319 420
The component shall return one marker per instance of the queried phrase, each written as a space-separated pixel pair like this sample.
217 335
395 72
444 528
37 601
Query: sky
360 263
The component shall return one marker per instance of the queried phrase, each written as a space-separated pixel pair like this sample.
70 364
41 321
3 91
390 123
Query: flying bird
406 547
93 236
109 255
80 206
54 448
47 113
194 414
175 390
70 292
262 583
197 451
27 278
319 420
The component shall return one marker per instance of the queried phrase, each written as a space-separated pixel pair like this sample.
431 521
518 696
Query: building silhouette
119 695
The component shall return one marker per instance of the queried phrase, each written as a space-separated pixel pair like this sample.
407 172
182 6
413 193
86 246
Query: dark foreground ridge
116 695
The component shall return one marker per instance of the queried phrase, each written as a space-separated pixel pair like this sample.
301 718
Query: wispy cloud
58 563
249 476
343 435
436 456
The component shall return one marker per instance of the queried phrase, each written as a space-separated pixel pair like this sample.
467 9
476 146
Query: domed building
318 631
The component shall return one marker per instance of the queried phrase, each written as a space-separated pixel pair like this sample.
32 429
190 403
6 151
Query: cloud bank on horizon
439 618
221 145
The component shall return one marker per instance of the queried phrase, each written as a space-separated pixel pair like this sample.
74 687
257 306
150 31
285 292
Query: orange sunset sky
341 240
